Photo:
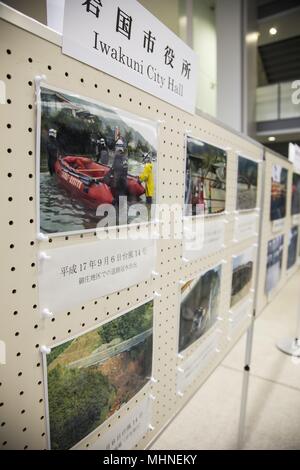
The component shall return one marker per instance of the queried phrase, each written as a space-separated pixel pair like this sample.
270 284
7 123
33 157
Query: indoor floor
210 419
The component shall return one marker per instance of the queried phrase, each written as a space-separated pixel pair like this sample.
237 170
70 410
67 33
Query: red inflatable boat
84 177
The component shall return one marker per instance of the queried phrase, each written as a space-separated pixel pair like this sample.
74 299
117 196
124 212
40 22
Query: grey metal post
249 340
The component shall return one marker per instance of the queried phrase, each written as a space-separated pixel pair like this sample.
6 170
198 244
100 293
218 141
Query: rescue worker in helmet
52 150
119 170
103 155
147 177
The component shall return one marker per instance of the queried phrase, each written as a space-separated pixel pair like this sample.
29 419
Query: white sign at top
124 40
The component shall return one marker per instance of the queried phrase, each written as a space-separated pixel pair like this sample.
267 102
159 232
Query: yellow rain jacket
148 178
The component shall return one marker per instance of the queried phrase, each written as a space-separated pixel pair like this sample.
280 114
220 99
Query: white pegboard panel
267 231
24 55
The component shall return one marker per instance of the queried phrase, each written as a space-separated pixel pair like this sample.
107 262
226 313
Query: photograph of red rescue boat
91 156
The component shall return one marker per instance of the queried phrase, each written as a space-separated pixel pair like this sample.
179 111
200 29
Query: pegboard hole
8 76
30 83
8 101
66 74
10 198
9 150
49 67
30 60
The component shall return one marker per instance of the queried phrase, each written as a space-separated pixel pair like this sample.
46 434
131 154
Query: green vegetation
55 352
129 325
78 398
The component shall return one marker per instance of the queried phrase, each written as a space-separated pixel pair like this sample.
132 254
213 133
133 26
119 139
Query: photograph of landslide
93 375
205 179
247 184
274 262
199 306
292 249
92 155
278 192
296 194
242 274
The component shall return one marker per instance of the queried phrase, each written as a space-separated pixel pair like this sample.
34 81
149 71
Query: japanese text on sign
113 38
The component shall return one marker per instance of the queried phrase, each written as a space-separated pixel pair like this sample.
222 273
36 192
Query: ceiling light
271 138
273 31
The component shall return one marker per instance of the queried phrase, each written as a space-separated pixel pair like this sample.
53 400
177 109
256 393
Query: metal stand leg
245 386
291 346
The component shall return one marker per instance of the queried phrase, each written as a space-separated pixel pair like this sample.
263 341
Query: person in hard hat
147 177
103 155
52 150
119 170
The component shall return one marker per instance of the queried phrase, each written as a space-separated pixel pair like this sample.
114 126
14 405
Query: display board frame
29 49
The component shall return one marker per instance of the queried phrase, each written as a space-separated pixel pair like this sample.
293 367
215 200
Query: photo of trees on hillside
247 184
199 306
92 155
205 179
278 192
92 376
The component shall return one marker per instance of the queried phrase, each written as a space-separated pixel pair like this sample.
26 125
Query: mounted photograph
292 248
296 194
242 276
274 263
91 376
199 309
205 178
91 158
278 192
247 184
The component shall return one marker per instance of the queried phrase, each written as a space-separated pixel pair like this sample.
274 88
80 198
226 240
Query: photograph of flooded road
274 262
199 306
91 155
205 179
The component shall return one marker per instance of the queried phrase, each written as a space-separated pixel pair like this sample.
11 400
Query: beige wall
37 9
205 46
167 11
